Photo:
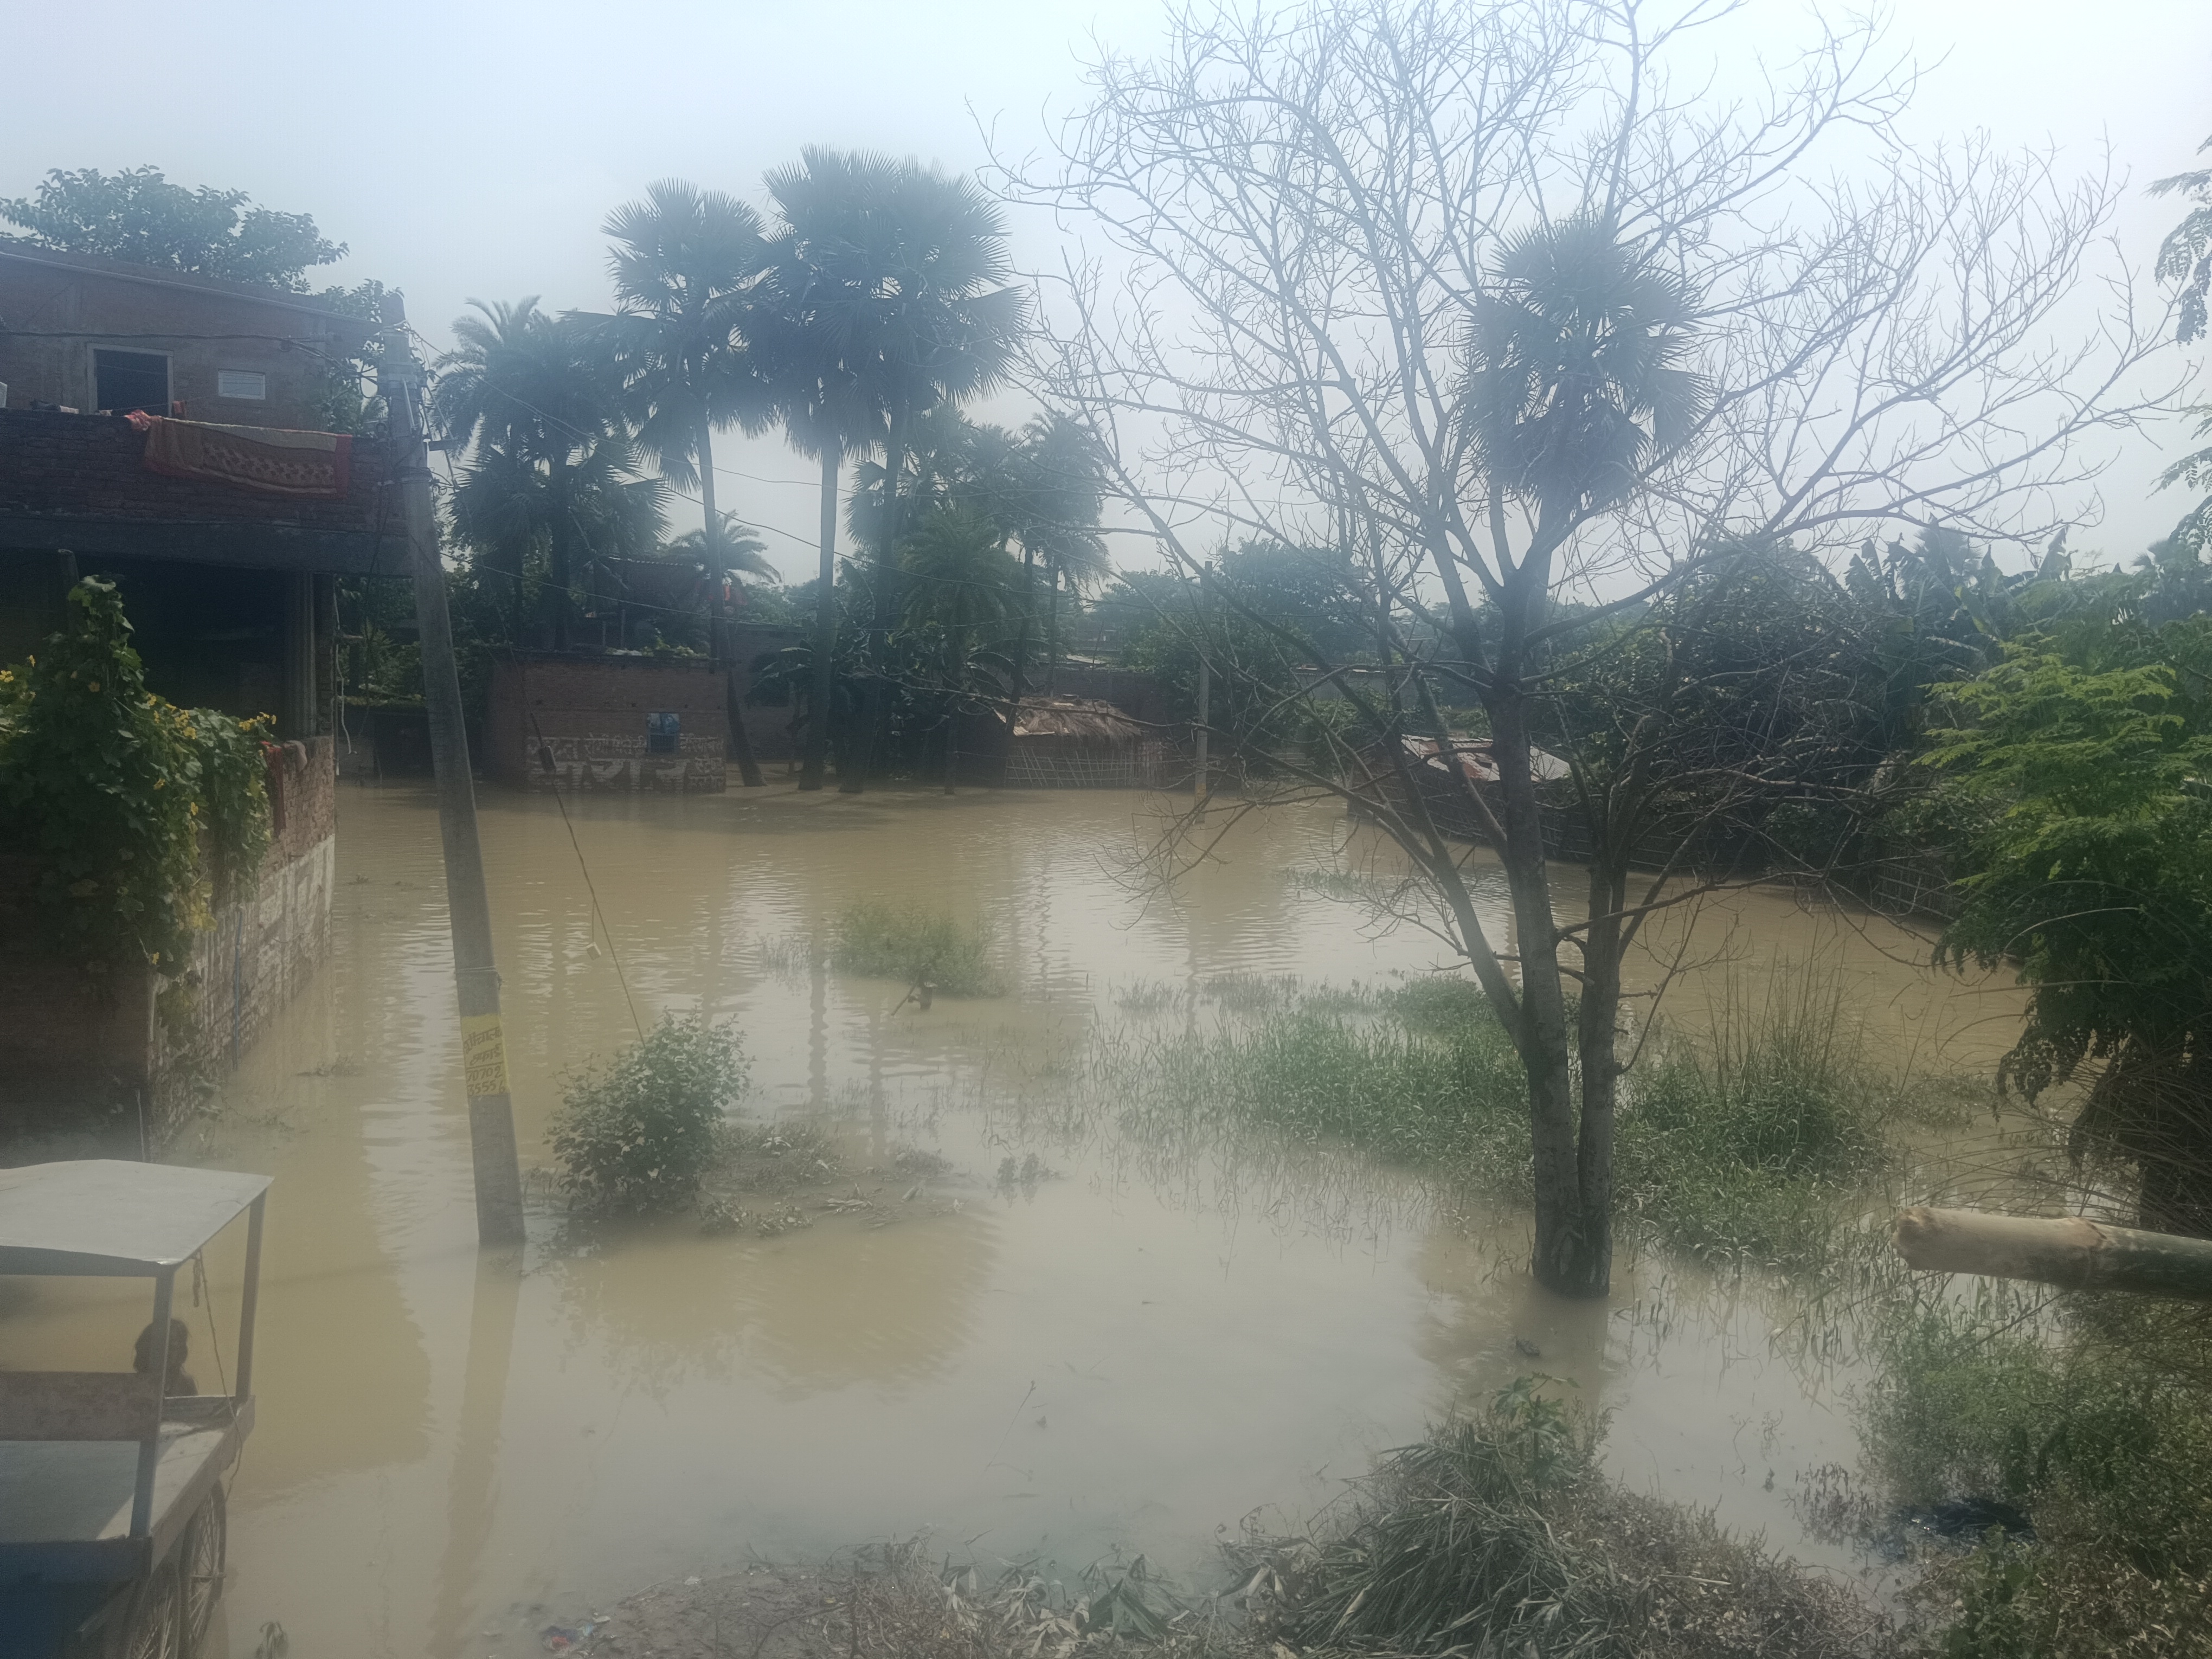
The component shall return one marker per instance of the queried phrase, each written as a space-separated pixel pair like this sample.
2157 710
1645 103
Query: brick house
227 569
578 720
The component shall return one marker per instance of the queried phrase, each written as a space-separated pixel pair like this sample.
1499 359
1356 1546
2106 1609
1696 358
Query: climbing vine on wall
114 792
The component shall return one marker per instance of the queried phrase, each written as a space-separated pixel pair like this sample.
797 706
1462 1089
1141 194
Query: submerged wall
607 722
125 1048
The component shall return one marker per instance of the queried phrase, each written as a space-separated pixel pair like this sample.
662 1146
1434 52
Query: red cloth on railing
304 465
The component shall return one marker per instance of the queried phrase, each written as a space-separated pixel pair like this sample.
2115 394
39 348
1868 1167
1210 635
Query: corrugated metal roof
104 1216
1075 717
1475 759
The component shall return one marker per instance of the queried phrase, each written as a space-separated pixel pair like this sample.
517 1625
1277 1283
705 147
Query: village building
608 720
1080 742
160 431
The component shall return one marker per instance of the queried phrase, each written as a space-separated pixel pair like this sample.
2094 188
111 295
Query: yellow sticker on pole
483 1055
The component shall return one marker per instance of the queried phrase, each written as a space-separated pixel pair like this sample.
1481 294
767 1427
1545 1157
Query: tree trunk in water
878 700
1600 1038
1021 631
737 745
1574 1251
825 633
1052 637
559 573
1562 1262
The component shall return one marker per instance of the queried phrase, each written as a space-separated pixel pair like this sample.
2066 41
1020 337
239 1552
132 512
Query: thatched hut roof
1082 718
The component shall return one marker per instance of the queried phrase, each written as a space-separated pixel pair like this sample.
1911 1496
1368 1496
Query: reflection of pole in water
879 1109
473 1491
818 1055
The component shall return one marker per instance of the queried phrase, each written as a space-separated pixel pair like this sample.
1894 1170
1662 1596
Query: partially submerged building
607 722
1080 743
158 430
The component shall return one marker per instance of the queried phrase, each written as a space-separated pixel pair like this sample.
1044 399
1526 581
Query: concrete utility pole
484 1046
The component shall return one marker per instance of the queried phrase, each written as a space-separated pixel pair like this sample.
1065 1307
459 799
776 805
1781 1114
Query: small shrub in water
640 1133
2099 1426
882 941
1497 1535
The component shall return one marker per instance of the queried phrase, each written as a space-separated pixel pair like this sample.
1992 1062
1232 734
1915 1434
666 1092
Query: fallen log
2071 1251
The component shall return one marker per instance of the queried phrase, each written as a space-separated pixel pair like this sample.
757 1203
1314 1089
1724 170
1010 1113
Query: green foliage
136 216
1740 1146
2185 259
1254 705
883 941
1316 593
552 480
114 788
1740 1143
2088 866
2085 1425
1458 1551
641 1132
1497 1535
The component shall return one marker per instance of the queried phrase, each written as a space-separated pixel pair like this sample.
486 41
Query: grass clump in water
883 941
2091 1419
1497 1535
640 1133
1742 1146
1319 1077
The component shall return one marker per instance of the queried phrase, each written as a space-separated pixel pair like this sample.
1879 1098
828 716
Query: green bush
115 790
640 1133
2097 1424
1499 1535
882 941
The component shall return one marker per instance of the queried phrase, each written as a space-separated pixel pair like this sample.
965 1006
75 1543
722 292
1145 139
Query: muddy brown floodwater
1130 1357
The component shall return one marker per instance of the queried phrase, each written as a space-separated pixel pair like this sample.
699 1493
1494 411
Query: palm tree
1574 387
1050 505
893 283
823 406
963 602
539 401
687 265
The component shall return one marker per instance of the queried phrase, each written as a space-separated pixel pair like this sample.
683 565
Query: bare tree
1479 291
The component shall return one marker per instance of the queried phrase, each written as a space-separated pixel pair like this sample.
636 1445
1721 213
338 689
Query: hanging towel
304 465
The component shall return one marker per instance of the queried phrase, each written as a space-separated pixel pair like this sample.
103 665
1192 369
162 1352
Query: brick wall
58 308
83 1047
586 717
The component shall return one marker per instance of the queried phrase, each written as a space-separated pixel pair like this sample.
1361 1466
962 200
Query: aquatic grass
886 941
2091 1417
1318 1076
1748 1142
1753 1145
1498 1535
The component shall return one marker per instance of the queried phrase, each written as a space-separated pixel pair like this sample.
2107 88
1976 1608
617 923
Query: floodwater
1131 1355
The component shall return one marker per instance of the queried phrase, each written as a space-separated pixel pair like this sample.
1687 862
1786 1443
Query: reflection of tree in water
1487 1320
833 1304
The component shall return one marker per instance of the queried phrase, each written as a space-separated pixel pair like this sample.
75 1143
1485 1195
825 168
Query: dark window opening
124 380
663 733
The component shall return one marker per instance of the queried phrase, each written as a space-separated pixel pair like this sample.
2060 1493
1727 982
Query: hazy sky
470 150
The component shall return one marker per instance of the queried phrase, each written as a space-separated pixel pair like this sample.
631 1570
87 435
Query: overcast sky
468 150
